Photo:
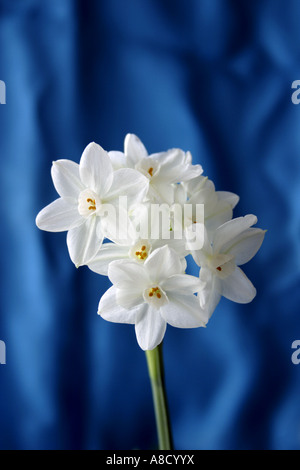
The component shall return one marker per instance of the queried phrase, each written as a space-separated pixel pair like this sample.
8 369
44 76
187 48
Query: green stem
156 374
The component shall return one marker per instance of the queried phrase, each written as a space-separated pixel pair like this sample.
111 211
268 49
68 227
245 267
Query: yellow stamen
155 291
92 207
150 171
143 253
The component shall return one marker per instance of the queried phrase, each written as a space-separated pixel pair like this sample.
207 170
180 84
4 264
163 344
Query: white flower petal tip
231 198
95 169
150 328
59 216
238 288
110 310
134 149
84 242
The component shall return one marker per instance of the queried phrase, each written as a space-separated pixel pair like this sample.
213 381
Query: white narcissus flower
233 244
137 249
162 169
145 257
218 205
85 192
152 294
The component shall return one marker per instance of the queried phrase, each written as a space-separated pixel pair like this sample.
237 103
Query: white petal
232 229
128 274
246 245
108 252
188 157
62 214
160 191
95 168
170 161
162 263
84 241
177 245
238 288
182 284
221 214
197 184
183 311
201 256
175 166
66 179
210 295
195 234
129 298
150 328
128 183
191 172
172 165
111 311
117 159
115 224
206 196
134 149
231 198
180 196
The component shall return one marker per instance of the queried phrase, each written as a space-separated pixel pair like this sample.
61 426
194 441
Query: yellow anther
155 291
92 207
150 171
142 253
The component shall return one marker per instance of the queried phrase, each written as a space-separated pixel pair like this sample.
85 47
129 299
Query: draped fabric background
210 76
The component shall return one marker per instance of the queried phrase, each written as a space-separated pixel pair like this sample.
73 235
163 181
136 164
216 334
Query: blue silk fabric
210 76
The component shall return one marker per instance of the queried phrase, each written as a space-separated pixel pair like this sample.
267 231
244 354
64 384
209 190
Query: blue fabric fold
212 77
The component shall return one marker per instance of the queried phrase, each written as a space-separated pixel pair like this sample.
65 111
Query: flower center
142 254
148 166
92 207
154 291
140 250
155 297
88 203
222 265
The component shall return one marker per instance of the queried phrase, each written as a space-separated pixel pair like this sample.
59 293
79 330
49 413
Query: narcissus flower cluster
135 218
